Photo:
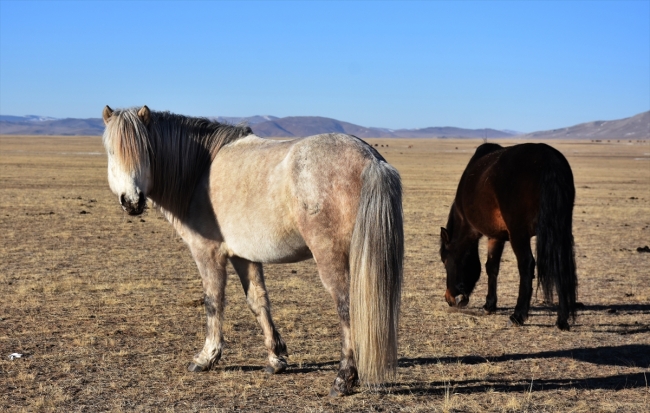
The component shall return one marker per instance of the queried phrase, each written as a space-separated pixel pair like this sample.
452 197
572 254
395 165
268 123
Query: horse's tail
556 266
376 258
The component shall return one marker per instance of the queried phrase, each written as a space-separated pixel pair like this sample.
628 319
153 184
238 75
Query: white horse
233 196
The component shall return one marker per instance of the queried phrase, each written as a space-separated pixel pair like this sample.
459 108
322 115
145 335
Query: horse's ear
145 115
106 114
444 235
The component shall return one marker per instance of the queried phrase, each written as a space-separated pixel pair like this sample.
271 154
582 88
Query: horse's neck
180 165
452 224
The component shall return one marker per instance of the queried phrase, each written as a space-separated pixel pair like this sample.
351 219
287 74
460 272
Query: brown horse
512 194
233 196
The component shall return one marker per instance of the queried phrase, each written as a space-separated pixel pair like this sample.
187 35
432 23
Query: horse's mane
178 148
450 225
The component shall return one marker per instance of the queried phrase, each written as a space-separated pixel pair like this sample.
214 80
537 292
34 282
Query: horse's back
502 187
521 169
513 168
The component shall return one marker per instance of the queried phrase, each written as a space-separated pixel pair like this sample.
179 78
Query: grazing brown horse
512 194
235 197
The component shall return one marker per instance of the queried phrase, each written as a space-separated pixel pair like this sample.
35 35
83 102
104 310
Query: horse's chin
134 209
461 301
458 301
135 212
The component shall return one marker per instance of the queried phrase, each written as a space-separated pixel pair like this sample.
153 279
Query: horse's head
129 156
462 265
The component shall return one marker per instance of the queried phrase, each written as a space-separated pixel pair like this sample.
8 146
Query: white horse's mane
178 149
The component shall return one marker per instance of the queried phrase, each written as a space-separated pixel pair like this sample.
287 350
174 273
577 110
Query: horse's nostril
122 200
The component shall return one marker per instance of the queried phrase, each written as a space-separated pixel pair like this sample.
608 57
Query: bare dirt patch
107 308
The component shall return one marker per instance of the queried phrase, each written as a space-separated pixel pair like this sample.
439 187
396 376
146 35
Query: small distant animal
512 194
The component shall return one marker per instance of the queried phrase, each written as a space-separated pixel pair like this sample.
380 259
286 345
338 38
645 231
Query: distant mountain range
635 127
310 125
39 125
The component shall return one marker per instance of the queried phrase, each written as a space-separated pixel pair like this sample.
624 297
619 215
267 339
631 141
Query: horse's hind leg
252 279
212 267
335 279
526 265
495 250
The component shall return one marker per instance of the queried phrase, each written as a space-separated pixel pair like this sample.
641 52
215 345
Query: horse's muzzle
131 208
458 301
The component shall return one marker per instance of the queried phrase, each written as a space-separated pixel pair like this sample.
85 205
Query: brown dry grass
107 307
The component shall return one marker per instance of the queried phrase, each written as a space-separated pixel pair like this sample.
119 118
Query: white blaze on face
127 183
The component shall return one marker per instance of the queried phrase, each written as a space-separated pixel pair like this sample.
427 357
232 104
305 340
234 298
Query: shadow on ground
633 355
617 382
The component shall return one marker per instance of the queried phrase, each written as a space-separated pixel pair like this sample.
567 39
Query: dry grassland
107 308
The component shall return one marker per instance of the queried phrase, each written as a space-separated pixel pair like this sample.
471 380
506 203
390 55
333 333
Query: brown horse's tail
556 266
376 258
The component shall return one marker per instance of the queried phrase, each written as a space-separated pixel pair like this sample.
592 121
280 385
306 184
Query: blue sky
525 66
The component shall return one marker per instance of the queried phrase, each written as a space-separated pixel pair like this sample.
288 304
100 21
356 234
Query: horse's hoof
274 370
514 321
340 389
487 310
563 325
276 366
197 368
336 393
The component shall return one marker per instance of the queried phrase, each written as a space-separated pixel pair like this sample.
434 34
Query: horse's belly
266 246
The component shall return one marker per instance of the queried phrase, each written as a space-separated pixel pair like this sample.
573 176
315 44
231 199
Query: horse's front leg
252 279
495 250
212 267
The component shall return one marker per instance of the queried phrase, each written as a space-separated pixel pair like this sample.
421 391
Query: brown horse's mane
177 148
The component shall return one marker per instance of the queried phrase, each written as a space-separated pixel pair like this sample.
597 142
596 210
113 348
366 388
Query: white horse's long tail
376 258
